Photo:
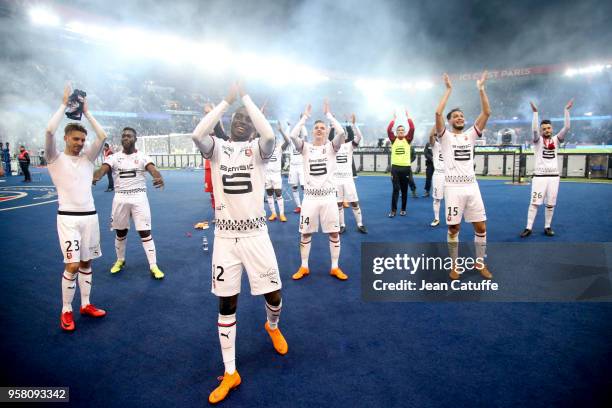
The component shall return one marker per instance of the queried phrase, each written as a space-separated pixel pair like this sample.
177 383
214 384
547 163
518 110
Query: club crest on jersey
248 152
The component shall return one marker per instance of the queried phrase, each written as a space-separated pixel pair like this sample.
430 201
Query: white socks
334 251
149 248
296 197
436 209
271 204
305 250
531 214
281 204
341 215
226 325
357 214
68 289
548 214
273 314
453 245
120 247
480 245
85 280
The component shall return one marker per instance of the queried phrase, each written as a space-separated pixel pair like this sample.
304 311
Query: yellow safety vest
400 153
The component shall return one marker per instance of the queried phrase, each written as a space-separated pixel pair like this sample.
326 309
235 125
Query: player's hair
74 127
449 114
130 129
400 126
319 121
546 122
106 145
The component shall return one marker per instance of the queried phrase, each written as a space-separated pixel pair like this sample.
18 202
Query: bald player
241 235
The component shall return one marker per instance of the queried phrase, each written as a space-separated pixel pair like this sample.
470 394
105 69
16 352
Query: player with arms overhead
438 176
77 220
319 204
343 177
545 184
461 193
241 236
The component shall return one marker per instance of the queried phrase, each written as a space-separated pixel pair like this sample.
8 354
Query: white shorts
347 191
544 188
274 180
135 207
296 175
79 237
438 186
319 211
463 201
255 254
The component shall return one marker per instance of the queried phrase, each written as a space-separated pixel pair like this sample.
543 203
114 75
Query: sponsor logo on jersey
232 169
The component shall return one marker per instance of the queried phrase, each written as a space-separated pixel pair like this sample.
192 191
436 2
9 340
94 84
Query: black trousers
429 171
400 176
26 171
411 183
111 184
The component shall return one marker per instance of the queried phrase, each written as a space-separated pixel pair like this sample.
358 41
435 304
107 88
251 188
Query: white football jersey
129 172
344 162
238 177
72 176
438 159
274 162
458 156
546 156
296 158
319 169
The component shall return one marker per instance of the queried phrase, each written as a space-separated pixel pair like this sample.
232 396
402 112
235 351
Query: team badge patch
248 152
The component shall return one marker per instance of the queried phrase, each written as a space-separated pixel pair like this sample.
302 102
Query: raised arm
535 127
566 121
218 129
358 136
50 149
298 141
201 134
432 136
390 133
96 147
410 134
440 125
286 140
261 124
485 111
339 132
